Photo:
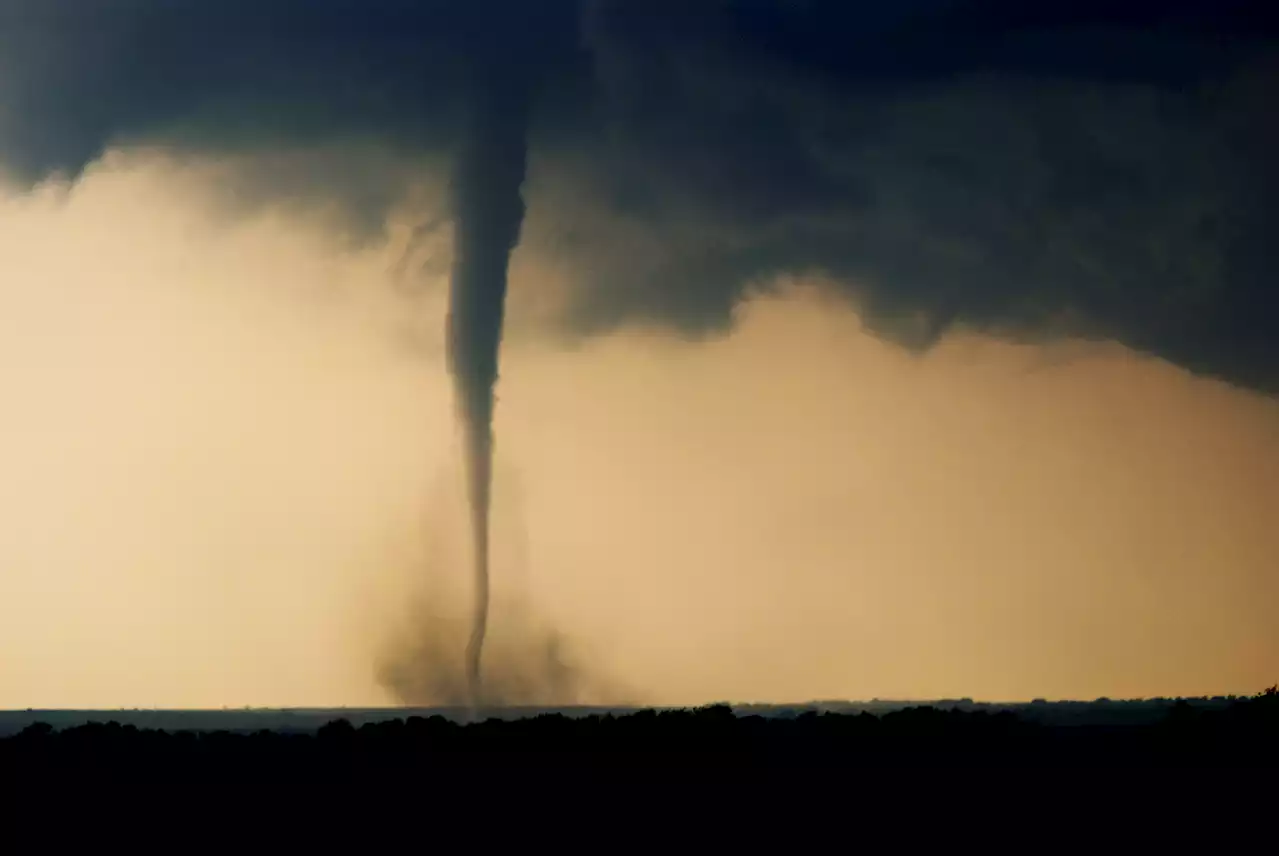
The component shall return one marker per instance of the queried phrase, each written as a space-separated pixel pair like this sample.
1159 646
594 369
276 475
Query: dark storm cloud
1098 168
977 168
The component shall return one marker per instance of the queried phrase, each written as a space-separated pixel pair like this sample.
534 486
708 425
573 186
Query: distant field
1096 712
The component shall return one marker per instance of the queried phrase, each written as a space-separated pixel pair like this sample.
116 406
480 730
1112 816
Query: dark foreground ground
1239 734
1204 773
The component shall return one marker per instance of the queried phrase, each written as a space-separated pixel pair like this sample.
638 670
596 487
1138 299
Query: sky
850 352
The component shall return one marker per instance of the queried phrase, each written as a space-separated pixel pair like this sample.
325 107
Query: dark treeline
1240 735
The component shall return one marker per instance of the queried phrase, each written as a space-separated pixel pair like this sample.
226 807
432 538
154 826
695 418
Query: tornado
487 212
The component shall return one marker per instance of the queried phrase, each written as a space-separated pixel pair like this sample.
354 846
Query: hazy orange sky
230 478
